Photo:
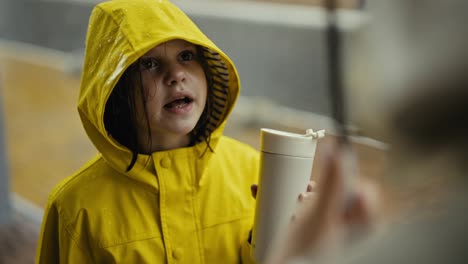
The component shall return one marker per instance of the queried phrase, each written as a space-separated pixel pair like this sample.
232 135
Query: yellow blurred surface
44 137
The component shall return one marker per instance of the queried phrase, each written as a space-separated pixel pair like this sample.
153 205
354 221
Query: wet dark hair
120 111
435 119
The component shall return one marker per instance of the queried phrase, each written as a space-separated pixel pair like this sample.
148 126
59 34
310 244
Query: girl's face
174 90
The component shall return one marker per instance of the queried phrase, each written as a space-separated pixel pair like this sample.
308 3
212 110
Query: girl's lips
177 102
179 107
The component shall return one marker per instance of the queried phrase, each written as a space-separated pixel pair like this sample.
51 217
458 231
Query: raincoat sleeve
246 253
246 247
57 244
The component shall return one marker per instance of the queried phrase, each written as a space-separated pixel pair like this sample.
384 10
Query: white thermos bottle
285 168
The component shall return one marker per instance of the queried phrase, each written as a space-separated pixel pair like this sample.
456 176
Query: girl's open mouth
179 103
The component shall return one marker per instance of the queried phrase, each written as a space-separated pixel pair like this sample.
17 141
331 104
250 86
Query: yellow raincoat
176 206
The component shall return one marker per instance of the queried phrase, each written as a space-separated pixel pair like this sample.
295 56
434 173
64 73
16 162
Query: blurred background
278 47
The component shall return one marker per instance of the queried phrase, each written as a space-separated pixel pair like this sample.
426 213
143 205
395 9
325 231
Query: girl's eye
149 63
187 55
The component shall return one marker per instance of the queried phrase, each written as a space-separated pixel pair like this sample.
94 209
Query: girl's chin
179 132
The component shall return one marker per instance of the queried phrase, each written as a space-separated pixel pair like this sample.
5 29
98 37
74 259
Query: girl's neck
163 142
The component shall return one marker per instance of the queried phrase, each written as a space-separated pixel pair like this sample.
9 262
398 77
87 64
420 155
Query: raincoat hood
119 33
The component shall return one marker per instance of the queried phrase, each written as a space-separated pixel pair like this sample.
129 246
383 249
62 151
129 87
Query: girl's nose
175 75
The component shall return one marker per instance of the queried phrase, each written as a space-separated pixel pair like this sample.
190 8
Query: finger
293 218
253 190
316 221
329 201
312 186
301 197
365 209
305 196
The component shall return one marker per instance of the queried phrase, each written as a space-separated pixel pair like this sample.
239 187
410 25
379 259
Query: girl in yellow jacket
167 186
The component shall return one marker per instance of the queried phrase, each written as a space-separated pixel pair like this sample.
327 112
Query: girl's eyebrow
185 47
149 56
189 45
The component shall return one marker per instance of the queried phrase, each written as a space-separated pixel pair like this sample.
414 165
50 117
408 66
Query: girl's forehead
175 44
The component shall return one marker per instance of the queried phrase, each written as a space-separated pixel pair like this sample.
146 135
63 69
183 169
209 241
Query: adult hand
327 222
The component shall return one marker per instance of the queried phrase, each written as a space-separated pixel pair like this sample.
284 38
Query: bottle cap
290 144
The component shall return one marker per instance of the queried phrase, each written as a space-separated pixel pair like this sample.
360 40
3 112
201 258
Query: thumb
317 223
331 189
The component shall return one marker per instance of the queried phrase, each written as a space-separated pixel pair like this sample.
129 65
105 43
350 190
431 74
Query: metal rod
335 79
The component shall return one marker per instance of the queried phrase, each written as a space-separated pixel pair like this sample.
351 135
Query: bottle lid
290 144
